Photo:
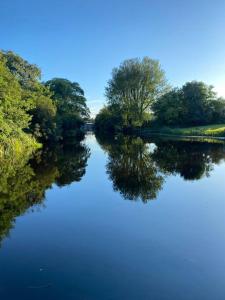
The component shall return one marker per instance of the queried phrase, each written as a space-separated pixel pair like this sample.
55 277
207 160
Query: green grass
214 130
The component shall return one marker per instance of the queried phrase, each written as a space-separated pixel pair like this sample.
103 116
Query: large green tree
69 97
198 98
71 105
14 117
43 111
134 87
27 74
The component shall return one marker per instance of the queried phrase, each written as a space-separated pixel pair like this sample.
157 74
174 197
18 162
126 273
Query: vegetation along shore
139 100
35 113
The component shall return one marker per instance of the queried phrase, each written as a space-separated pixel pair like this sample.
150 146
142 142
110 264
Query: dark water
121 219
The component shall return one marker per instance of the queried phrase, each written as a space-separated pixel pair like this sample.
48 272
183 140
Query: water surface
115 219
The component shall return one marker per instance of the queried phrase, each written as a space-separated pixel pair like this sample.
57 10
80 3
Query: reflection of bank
138 167
192 160
23 184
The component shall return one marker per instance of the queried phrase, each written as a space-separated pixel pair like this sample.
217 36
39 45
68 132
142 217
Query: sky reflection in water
83 241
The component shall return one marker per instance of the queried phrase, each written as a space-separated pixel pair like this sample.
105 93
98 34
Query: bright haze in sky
83 40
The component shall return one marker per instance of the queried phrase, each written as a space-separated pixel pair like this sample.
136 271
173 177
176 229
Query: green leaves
40 109
194 104
69 97
134 87
13 110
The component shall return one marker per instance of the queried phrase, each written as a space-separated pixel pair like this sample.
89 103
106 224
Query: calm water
121 219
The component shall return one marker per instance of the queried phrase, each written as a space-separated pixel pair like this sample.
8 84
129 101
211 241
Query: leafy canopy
134 87
194 104
41 110
69 97
14 117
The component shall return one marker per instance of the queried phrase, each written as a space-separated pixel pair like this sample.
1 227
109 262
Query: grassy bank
214 130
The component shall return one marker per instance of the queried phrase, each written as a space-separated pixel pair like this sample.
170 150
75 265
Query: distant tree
134 87
169 108
43 124
194 104
69 97
71 105
107 121
218 110
198 98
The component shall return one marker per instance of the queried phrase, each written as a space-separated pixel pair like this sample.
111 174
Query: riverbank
16 148
212 131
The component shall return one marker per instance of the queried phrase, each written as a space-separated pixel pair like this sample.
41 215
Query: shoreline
183 136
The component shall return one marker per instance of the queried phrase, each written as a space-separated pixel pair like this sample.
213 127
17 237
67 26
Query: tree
198 98
169 108
52 109
107 121
71 105
134 87
194 104
27 74
43 123
14 117
42 110
218 107
69 97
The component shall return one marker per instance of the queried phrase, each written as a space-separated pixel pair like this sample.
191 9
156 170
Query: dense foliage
14 117
31 111
43 124
107 121
138 96
194 104
134 86
71 105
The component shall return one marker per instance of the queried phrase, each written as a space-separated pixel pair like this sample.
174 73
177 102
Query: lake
124 218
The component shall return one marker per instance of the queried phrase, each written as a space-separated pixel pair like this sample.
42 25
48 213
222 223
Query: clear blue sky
82 40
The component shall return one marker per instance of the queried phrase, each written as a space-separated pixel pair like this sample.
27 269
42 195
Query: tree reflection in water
138 171
23 182
192 160
137 168
131 168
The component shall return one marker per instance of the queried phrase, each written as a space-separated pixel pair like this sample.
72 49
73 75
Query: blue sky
82 40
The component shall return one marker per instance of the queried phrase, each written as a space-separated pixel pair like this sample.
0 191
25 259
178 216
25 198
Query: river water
124 218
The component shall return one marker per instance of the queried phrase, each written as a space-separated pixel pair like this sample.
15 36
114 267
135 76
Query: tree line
34 112
138 95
